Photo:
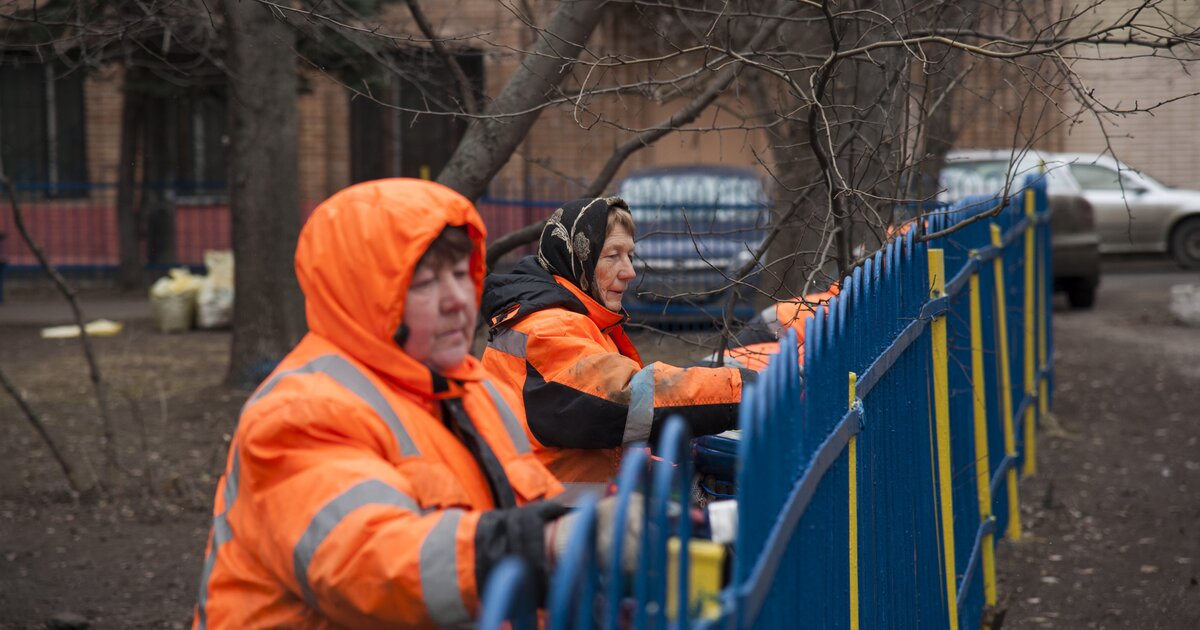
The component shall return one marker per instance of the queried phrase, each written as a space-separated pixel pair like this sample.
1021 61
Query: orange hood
355 260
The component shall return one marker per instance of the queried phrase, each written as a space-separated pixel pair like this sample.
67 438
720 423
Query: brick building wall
1011 103
1165 143
102 107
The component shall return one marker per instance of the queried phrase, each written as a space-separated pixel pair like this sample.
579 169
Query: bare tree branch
98 386
465 91
77 486
489 142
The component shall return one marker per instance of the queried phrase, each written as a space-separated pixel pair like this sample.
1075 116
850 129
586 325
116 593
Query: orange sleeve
581 394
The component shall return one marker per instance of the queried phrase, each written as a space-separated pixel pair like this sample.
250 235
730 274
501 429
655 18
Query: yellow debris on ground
96 328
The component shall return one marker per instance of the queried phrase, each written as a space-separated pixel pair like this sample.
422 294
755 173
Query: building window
390 142
42 124
186 140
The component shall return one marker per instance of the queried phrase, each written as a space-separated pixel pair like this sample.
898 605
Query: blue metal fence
873 483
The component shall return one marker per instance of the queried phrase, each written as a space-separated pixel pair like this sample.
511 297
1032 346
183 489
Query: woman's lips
450 335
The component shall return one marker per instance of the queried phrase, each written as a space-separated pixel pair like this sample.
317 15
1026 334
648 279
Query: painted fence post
852 456
941 402
983 467
1043 323
1030 459
1010 440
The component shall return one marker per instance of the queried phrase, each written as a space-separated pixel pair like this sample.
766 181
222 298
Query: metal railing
874 483
178 222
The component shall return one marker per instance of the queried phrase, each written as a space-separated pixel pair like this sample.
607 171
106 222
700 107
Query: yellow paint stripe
982 465
941 395
852 455
1010 441
1043 342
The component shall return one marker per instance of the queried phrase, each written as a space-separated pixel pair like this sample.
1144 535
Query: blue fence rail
874 483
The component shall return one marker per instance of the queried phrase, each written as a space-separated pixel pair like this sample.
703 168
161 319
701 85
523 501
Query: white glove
558 532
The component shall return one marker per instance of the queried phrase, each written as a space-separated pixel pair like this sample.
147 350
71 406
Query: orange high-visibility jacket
346 500
586 390
786 314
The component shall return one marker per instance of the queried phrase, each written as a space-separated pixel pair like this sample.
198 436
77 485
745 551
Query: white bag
173 300
214 303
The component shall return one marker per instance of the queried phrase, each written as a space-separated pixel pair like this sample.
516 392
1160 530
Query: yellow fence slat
1010 440
941 397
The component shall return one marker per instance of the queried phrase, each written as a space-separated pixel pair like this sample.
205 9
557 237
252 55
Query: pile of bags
181 299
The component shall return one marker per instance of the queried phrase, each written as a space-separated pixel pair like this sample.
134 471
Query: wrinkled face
440 314
614 269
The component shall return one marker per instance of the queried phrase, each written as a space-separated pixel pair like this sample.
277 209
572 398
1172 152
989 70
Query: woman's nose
456 292
625 271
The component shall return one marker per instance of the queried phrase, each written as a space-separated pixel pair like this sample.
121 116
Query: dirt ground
1112 520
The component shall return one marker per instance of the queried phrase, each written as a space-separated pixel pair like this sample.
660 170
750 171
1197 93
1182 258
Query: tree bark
263 189
158 180
490 141
127 220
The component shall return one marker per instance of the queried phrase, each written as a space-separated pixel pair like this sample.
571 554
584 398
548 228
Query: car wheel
1185 243
1081 293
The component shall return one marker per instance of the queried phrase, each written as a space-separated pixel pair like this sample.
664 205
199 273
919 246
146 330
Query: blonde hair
618 214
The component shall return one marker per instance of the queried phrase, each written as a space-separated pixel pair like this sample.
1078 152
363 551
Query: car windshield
961 178
984 177
703 201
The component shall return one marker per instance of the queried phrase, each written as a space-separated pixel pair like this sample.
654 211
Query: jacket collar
597 312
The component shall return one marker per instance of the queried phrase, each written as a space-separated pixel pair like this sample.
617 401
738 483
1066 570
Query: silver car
1073 239
1134 212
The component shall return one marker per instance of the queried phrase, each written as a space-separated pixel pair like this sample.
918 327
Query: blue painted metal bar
509 597
631 477
956 284
1016 231
998 477
752 593
1022 407
674 468
964 587
574 581
887 358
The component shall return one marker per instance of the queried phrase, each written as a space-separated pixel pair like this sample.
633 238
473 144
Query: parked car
1074 241
696 226
1135 213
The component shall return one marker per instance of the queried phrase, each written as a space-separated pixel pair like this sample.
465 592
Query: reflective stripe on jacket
585 389
346 500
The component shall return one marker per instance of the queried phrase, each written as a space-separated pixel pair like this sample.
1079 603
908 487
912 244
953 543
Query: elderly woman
556 336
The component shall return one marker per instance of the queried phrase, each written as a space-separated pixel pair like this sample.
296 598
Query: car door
1128 213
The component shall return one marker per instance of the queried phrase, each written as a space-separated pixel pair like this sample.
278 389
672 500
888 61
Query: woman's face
440 314
614 269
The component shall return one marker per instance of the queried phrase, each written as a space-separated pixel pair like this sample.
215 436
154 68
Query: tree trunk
127 220
263 189
158 178
491 141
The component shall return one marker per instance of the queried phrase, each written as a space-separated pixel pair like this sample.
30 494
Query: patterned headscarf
573 237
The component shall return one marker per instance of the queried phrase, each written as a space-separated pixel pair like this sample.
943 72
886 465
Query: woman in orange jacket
556 336
379 473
